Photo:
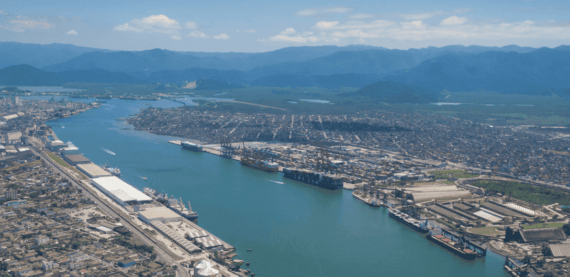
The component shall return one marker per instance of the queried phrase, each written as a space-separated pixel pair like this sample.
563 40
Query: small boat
277 182
249 250
143 177
108 151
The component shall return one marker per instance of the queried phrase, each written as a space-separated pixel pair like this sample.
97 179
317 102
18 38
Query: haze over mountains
509 69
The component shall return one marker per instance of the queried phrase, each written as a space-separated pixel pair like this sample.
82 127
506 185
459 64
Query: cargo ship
420 226
192 146
317 179
261 165
456 247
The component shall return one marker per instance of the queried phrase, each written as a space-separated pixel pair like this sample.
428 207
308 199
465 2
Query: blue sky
256 26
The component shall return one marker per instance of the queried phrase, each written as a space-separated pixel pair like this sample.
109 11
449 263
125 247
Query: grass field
57 159
447 172
486 231
542 225
448 182
465 175
525 192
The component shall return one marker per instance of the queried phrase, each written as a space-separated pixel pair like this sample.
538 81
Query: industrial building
76 159
93 171
162 214
428 193
120 191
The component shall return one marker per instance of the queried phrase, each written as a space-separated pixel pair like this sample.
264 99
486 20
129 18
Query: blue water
293 229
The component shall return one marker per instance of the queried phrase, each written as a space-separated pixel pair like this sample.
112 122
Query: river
293 229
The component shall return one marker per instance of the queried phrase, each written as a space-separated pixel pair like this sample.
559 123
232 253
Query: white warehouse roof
120 189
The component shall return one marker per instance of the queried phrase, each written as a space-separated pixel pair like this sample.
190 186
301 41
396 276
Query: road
110 210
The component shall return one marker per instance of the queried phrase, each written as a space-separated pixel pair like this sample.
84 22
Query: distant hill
191 74
392 92
27 75
495 71
39 55
205 84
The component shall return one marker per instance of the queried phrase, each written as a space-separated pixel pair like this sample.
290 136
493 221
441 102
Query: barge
317 179
420 226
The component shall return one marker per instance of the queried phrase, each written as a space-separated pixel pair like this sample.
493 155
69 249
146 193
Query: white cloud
221 36
325 11
152 24
250 31
175 37
413 25
288 31
375 24
418 30
198 34
326 24
426 15
353 34
72 32
453 20
3 12
21 25
191 25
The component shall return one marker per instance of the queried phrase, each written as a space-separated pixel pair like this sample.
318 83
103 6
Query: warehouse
76 159
93 171
120 191
161 214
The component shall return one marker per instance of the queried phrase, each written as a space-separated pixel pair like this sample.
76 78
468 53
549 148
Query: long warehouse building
120 191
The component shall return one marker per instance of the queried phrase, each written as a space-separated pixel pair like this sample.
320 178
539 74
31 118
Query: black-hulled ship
317 179
452 243
418 225
192 146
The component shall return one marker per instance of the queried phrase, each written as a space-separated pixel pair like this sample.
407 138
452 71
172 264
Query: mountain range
508 69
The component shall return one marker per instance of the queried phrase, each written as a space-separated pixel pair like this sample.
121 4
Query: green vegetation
448 182
525 192
447 172
542 225
57 159
465 175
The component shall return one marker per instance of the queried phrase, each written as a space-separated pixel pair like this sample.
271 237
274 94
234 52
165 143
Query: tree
152 256
566 228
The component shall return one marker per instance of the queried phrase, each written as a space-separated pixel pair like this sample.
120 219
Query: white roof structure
161 213
119 190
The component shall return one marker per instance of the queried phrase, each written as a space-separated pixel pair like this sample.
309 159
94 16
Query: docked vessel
192 146
418 225
457 247
174 204
178 207
317 179
261 165
113 170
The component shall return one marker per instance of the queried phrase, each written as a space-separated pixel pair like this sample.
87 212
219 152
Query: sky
259 26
